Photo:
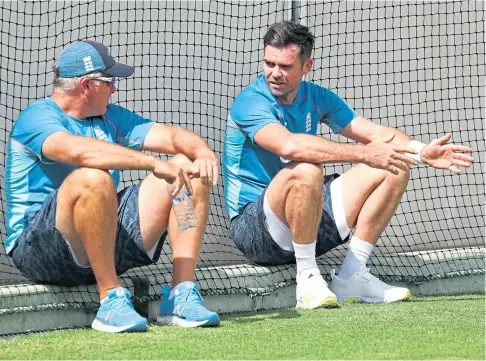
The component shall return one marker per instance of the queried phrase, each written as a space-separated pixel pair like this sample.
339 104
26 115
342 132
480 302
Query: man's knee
198 187
89 181
400 179
307 175
181 160
378 176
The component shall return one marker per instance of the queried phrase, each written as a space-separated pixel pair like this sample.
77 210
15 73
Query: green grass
444 328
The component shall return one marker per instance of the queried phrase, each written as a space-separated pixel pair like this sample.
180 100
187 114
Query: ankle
104 291
305 256
358 253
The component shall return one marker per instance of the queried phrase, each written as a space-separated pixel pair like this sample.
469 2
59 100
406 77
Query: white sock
305 256
358 253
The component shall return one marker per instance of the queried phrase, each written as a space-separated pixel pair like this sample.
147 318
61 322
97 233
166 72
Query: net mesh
417 66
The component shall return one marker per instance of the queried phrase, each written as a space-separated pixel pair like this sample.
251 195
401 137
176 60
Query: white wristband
418 146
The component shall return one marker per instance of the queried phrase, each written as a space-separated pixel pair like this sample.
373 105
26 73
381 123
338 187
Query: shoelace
363 270
124 304
193 297
371 277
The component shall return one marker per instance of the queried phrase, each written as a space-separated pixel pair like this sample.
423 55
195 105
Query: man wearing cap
66 223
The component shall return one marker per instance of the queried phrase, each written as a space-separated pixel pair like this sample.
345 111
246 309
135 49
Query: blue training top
30 177
249 168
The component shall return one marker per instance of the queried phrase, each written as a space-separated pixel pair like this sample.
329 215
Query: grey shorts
43 255
250 233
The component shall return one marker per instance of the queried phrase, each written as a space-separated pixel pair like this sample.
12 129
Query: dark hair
286 33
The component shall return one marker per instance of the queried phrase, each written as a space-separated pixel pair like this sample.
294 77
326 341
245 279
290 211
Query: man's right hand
172 173
381 154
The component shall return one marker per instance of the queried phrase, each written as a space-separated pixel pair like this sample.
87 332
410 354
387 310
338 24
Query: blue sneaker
116 314
185 308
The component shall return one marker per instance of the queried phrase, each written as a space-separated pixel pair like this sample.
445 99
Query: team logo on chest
308 122
99 133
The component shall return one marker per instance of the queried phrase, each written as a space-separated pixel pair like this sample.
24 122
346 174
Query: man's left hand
205 168
439 154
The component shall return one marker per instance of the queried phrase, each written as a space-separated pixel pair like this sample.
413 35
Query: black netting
418 66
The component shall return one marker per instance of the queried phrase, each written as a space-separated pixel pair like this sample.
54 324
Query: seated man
283 208
66 223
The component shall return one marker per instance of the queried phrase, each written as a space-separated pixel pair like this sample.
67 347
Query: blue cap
87 56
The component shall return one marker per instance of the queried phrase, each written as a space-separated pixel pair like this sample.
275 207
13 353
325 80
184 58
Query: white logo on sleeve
308 122
88 63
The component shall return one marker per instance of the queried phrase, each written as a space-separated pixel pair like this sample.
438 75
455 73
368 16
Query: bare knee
307 175
199 189
181 160
89 182
378 176
399 180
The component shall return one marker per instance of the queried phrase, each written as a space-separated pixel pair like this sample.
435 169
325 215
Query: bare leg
156 216
370 198
86 215
186 244
295 197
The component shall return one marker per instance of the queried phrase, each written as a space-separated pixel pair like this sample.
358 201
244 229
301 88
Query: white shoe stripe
174 320
101 326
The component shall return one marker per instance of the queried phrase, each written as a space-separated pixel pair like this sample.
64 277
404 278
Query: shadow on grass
292 313
455 298
258 316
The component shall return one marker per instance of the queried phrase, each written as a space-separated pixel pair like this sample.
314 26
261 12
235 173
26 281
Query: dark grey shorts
42 253
250 234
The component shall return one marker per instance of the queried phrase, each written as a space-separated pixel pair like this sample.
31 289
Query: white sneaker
312 291
365 287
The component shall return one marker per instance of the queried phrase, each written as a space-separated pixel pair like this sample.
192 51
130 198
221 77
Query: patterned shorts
43 255
251 236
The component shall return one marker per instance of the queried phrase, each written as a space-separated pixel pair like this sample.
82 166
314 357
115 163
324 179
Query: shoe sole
182 322
328 302
357 299
101 326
